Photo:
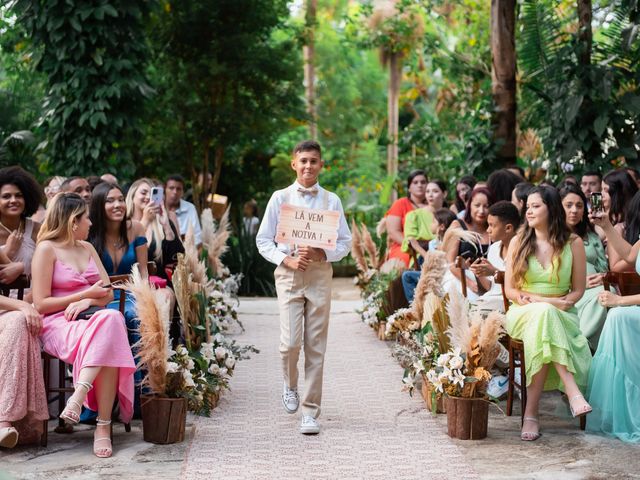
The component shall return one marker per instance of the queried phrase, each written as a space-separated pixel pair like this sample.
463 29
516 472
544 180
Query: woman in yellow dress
545 277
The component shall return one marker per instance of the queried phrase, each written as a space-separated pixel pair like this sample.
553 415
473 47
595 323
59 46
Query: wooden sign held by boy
307 226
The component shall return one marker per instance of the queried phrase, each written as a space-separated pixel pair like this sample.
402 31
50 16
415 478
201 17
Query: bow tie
308 191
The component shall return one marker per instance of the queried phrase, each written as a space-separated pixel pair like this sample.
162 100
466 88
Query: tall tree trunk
217 168
395 77
503 76
309 66
585 33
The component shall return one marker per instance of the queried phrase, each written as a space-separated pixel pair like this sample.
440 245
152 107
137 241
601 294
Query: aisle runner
370 429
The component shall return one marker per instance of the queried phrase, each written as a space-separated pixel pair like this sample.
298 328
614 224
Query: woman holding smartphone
618 188
70 280
476 221
145 204
614 377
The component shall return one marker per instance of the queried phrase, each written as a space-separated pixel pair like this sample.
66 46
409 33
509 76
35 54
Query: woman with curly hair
545 278
20 197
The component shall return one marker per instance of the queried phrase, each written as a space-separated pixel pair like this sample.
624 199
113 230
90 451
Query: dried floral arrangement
205 292
463 369
428 291
374 276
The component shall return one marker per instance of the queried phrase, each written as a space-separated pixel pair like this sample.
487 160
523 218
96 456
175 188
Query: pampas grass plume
152 308
370 247
460 329
357 252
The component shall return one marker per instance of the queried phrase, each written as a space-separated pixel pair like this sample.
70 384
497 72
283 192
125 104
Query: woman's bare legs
576 400
534 392
84 383
106 384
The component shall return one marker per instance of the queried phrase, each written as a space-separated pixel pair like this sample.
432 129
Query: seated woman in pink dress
70 280
23 402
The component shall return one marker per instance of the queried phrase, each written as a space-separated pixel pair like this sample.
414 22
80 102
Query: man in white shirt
504 221
185 211
303 283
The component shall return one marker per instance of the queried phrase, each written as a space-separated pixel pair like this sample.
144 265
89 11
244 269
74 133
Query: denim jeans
410 280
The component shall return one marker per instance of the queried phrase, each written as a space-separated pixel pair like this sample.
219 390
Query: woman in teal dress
545 278
614 379
592 315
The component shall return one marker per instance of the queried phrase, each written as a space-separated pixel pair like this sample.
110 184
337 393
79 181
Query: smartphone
157 195
595 199
86 314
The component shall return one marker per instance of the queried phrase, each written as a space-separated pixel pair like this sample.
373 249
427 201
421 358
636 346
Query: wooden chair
628 283
515 348
62 389
516 359
461 264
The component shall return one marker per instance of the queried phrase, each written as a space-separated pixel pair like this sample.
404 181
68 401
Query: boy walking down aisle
303 283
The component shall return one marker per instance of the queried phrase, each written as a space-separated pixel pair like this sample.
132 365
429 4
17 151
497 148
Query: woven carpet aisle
370 429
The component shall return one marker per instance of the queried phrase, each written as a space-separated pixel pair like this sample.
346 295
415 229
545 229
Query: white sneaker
290 400
309 425
498 386
517 378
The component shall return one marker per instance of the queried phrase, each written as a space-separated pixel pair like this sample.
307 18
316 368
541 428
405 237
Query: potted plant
164 405
462 372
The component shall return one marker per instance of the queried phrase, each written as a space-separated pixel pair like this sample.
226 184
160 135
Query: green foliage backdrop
92 55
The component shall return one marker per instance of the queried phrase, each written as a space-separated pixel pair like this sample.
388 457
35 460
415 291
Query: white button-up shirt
277 252
188 215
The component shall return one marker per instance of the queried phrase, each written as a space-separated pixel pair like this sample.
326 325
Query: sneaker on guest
498 386
517 378
309 425
290 399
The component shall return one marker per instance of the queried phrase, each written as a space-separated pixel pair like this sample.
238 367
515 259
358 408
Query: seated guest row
554 269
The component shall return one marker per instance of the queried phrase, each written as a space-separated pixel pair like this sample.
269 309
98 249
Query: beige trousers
304 300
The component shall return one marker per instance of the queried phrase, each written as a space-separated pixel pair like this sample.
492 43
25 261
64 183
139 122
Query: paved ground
370 428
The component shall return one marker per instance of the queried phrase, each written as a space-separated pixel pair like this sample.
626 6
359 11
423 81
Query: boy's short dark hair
506 212
445 217
306 146
176 177
592 173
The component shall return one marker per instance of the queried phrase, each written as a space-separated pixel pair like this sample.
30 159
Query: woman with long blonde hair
159 224
545 277
71 282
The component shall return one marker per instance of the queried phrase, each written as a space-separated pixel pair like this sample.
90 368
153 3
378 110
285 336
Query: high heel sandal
531 436
71 412
103 452
587 407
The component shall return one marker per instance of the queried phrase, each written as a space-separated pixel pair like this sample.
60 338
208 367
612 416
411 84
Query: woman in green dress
592 315
614 379
545 278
